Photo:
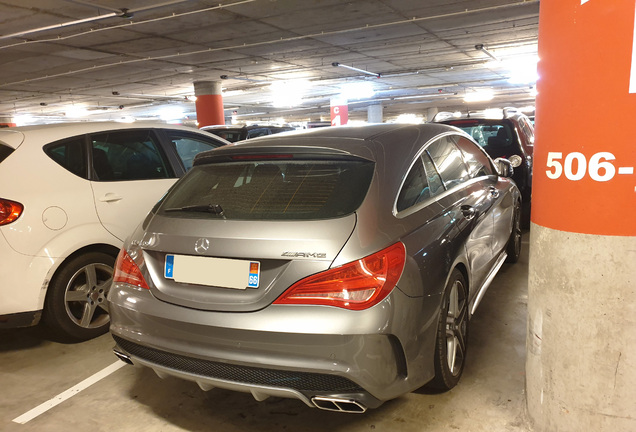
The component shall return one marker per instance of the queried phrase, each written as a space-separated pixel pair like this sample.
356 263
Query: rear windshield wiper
204 208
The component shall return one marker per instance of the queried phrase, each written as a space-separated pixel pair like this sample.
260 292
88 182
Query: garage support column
209 104
375 114
581 345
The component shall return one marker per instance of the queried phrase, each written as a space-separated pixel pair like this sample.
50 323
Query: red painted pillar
339 112
581 345
209 103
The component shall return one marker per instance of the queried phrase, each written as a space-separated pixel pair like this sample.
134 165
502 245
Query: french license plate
220 272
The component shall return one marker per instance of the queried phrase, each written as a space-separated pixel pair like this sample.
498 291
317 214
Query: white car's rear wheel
76 306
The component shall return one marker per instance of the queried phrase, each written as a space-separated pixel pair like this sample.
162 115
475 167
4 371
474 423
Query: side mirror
504 167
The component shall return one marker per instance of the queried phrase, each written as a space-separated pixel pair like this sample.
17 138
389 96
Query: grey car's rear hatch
234 234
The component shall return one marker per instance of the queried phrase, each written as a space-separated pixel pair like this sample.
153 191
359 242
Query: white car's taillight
10 211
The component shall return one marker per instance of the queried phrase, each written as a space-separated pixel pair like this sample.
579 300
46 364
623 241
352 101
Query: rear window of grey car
270 190
5 151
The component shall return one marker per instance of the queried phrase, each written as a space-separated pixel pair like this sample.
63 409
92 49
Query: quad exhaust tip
337 404
123 357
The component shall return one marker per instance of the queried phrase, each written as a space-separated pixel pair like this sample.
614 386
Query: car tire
76 307
513 248
452 334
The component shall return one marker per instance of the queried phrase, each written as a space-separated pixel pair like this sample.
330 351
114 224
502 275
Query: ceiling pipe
122 13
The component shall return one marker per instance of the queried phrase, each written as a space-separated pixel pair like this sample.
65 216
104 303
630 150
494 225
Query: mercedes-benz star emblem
202 245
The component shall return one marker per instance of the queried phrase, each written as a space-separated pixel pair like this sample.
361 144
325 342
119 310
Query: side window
448 161
415 188
5 151
71 154
478 163
189 145
421 182
128 155
435 183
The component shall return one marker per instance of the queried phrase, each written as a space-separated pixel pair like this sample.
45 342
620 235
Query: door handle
468 212
110 197
493 192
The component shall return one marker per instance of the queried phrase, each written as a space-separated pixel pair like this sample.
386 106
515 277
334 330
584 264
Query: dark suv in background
240 133
508 134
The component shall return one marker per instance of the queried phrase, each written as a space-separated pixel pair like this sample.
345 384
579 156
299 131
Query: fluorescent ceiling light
288 93
23 119
482 48
171 113
523 70
356 123
336 64
409 118
479 96
76 111
126 119
357 90
493 113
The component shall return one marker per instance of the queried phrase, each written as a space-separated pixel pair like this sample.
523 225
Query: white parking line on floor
44 407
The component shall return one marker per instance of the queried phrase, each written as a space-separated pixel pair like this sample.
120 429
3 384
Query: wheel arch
54 271
98 247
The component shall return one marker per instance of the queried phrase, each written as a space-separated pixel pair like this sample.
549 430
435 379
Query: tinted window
5 151
71 154
253 133
478 163
189 145
435 184
448 161
272 190
229 135
128 155
415 188
422 182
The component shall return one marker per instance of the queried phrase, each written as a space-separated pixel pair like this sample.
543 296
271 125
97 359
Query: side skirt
493 272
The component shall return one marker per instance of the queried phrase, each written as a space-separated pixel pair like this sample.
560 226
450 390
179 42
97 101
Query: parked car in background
339 266
70 194
240 133
508 134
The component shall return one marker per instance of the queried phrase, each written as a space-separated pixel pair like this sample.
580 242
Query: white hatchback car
69 196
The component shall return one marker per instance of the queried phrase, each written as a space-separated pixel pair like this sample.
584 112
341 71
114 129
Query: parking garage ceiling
106 59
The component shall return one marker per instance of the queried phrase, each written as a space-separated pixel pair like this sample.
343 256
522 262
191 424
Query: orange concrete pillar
209 103
581 345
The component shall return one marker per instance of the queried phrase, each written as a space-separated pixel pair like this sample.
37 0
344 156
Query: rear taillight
356 286
126 271
10 211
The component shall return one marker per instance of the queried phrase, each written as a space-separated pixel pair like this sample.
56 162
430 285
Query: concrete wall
581 346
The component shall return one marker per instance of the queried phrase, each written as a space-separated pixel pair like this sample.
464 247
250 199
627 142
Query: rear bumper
260 382
301 352
22 285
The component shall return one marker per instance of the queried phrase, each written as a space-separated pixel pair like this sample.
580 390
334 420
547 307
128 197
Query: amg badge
304 254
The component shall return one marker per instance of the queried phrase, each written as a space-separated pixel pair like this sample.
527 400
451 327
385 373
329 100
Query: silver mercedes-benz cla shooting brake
339 266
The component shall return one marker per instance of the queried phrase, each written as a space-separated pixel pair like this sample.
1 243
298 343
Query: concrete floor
490 396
